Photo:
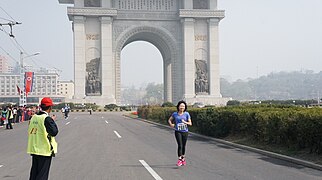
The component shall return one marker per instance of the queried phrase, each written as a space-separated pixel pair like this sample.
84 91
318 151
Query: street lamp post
22 93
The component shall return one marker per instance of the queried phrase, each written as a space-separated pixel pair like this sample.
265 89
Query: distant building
45 84
4 65
66 89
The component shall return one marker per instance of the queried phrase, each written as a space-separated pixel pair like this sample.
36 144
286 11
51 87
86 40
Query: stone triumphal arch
184 31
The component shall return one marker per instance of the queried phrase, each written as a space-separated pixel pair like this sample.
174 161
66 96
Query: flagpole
21 93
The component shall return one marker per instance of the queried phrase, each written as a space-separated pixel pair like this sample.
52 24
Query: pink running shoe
179 163
184 162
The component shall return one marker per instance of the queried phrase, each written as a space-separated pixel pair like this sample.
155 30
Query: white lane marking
117 134
106 122
102 117
151 171
1 165
67 123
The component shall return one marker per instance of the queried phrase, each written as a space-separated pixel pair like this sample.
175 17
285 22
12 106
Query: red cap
46 101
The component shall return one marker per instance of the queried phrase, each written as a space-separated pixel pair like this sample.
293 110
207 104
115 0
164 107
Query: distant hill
275 86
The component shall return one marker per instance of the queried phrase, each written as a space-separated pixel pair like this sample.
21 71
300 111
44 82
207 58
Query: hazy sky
256 37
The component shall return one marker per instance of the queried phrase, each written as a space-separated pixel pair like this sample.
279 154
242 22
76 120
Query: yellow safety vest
11 114
38 142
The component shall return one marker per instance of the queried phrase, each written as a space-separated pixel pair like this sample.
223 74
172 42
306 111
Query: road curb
267 153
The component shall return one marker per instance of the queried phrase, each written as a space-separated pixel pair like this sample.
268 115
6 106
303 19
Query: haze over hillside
275 86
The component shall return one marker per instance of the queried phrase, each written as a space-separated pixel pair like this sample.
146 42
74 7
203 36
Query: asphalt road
110 146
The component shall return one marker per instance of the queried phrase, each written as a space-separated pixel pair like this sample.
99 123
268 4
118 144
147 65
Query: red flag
28 81
18 89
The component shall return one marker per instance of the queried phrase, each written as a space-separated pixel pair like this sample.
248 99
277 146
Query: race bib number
182 126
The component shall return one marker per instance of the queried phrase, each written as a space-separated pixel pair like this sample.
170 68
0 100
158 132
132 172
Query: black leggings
9 125
181 138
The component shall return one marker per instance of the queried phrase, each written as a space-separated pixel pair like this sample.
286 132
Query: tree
154 93
276 86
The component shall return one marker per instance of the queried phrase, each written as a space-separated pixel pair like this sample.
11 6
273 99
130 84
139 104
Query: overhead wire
3 30
8 14
17 44
5 19
9 54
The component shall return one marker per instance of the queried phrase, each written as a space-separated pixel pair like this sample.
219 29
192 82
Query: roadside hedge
293 127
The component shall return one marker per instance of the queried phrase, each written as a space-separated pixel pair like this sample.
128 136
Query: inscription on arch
148 5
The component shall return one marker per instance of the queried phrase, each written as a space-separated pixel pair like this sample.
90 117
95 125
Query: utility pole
22 97
22 93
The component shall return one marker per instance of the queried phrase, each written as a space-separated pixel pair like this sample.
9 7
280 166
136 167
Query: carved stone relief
93 80
201 80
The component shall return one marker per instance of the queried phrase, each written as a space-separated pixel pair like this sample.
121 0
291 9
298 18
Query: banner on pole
29 79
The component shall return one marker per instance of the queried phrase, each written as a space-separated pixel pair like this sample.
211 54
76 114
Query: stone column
188 57
167 81
108 81
79 56
214 77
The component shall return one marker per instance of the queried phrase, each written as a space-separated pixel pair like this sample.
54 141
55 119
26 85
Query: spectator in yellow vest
42 145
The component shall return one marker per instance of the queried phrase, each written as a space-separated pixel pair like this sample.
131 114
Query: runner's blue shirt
179 125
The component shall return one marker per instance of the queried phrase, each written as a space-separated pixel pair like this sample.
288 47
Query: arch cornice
201 13
91 12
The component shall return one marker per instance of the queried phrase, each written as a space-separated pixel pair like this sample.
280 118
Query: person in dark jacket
9 117
42 145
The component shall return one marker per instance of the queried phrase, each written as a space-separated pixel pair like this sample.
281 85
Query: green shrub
168 104
283 125
110 106
233 103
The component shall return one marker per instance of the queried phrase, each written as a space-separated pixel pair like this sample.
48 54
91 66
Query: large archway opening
142 74
165 45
